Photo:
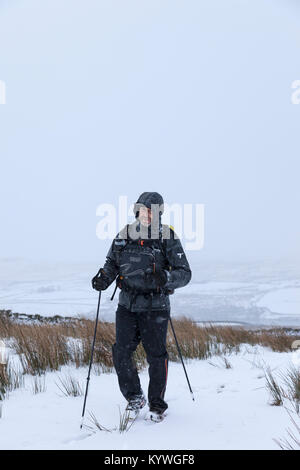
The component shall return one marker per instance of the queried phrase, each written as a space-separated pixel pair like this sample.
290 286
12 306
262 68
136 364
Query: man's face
145 216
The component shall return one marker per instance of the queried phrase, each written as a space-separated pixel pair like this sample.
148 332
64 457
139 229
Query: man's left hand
160 277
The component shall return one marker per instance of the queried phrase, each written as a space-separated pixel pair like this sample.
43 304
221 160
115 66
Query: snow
283 301
231 409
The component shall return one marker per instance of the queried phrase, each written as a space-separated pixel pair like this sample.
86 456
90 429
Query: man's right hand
100 281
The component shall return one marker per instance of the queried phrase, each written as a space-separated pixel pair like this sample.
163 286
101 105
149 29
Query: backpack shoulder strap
120 242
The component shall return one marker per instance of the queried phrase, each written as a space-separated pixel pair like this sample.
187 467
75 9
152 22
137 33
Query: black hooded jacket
131 255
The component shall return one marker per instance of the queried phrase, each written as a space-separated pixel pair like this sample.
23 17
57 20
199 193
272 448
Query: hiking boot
157 411
136 403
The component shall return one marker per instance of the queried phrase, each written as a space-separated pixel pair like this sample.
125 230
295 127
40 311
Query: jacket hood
147 199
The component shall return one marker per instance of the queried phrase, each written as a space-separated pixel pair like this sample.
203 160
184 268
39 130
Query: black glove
100 282
159 277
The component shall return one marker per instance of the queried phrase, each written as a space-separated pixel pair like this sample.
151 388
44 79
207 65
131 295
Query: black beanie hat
146 199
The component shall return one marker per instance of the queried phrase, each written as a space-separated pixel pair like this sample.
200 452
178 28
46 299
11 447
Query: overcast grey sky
189 98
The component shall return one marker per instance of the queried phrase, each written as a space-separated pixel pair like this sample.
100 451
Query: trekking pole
91 361
180 355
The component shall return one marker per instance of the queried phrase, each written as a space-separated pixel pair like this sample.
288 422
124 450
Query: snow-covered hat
146 200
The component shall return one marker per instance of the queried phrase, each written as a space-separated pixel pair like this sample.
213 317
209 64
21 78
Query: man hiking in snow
148 262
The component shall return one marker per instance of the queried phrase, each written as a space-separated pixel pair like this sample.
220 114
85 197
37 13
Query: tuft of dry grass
3 381
195 342
292 441
291 380
223 363
70 386
38 384
40 348
293 383
125 421
276 391
96 426
10 379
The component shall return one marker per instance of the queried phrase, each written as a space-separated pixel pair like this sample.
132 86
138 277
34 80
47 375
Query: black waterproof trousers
150 327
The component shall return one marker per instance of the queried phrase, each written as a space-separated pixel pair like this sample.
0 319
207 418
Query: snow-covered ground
255 293
231 409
